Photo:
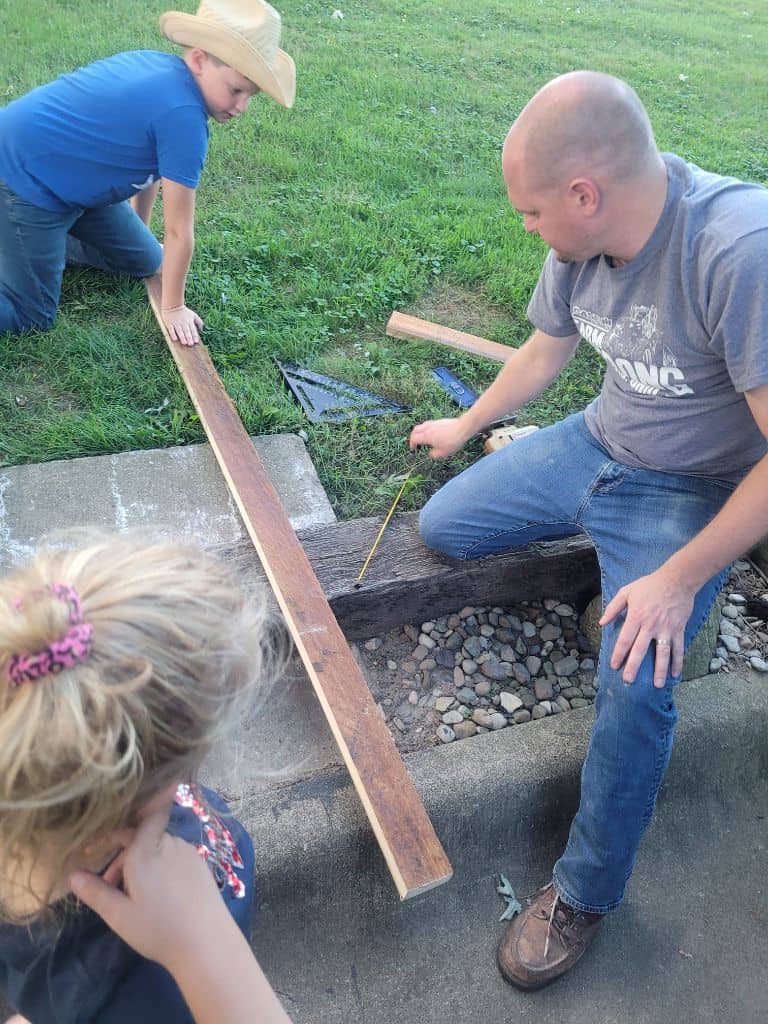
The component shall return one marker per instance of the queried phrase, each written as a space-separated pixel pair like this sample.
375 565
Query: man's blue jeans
35 245
558 482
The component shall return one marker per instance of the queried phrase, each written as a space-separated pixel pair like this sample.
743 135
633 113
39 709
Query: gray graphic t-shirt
683 328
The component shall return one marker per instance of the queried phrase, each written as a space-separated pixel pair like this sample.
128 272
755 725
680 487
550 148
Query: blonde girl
122 663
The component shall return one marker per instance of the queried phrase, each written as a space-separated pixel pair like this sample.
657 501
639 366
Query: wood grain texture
410 583
405 834
401 325
407 582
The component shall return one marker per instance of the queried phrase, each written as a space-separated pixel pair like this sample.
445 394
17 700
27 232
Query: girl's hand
171 909
172 912
183 324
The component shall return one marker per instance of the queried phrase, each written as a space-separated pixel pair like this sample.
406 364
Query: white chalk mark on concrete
121 517
12 552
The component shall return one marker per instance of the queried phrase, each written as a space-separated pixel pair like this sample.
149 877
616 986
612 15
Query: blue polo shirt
102 133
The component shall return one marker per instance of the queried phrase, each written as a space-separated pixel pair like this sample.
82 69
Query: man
82 158
664 269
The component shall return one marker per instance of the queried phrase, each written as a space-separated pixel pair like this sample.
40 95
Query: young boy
83 158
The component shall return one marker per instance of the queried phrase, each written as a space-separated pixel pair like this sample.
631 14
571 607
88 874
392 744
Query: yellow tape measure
386 521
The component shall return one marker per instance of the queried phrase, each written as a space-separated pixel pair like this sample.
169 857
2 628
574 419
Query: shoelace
555 901
567 916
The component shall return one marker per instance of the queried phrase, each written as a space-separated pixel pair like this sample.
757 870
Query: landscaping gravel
488 668
479 670
743 627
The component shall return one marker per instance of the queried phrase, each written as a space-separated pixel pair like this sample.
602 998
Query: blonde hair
176 645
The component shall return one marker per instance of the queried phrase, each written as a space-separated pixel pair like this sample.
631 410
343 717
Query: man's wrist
469 425
685 573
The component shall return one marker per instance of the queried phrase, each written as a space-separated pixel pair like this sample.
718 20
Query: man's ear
586 195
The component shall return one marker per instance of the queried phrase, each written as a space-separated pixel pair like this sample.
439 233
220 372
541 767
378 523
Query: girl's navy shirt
80 972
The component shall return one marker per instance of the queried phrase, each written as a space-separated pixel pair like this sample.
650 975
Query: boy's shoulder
128 77
133 67
144 84
157 59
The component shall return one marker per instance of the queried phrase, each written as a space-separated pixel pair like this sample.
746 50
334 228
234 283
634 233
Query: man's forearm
527 373
740 524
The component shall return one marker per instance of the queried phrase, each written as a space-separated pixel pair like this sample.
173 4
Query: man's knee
639 704
437 526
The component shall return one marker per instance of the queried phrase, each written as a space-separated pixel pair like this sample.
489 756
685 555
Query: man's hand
183 324
657 609
444 437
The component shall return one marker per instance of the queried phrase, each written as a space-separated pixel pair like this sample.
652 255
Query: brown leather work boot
544 941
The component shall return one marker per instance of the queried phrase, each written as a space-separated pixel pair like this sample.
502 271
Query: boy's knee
145 264
41 319
17 321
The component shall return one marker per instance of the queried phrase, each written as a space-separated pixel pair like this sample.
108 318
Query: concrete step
178 490
689 944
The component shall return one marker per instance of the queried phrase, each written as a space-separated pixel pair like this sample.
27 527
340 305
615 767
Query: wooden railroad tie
404 832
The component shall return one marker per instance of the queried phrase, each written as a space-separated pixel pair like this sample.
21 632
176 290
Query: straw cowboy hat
242 33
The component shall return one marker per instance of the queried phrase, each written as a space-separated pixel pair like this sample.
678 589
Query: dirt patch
35 395
451 305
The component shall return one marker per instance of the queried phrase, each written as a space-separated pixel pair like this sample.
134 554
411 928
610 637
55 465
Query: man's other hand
656 611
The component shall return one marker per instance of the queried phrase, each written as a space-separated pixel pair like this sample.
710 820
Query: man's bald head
583 123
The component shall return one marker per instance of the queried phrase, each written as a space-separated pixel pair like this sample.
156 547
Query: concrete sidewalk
178 490
689 945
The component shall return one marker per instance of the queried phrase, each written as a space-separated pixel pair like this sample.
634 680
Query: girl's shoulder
203 818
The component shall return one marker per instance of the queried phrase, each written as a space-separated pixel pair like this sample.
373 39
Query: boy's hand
183 324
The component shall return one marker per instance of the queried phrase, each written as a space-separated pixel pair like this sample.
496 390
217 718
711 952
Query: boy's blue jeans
36 244
558 482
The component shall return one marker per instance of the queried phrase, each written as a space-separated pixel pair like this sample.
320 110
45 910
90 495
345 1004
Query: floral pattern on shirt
218 849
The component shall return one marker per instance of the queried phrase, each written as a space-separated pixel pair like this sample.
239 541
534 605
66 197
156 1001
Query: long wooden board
400 325
405 834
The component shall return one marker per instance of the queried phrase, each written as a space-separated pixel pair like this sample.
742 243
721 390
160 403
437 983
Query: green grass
381 190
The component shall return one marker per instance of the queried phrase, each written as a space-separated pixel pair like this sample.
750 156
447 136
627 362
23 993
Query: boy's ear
195 58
